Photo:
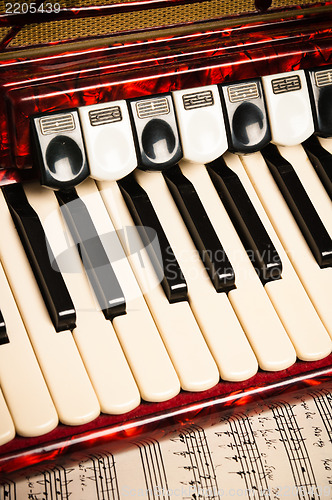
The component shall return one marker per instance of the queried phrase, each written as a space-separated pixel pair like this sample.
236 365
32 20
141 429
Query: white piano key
316 281
212 310
178 328
326 142
289 108
136 330
251 303
21 380
201 123
108 140
95 338
287 294
311 183
58 357
7 429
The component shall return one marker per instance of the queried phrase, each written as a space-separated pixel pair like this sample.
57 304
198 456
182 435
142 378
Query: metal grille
87 27
4 31
198 100
152 107
243 92
57 123
323 78
288 84
106 115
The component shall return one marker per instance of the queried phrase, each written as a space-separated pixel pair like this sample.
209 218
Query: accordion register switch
201 123
108 140
320 90
155 130
245 116
59 150
289 108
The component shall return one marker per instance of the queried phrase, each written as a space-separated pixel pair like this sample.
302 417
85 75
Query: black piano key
166 266
49 279
321 161
95 260
246 221
300 205
201 230
3 332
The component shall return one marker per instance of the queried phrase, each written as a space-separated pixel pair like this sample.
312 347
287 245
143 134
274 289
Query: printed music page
277 449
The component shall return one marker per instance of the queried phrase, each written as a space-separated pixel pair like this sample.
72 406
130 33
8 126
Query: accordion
180 260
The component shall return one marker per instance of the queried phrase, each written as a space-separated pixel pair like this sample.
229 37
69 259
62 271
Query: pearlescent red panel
133 69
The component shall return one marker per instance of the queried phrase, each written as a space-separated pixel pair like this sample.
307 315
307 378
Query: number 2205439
31 7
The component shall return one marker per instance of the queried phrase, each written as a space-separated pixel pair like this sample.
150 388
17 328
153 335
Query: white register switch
201 123
289 108
108 140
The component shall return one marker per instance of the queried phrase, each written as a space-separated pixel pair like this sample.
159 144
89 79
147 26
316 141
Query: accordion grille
90 27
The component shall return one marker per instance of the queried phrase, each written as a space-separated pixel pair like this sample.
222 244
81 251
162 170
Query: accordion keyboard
160 346
178 245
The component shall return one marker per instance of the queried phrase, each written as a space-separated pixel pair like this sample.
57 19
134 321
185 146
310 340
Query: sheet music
277 449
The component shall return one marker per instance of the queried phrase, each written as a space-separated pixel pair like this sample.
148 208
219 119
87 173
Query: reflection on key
249 227
51 284
300 205
3 333
321 160
21 379
201 230
316 281
96 263
166 265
